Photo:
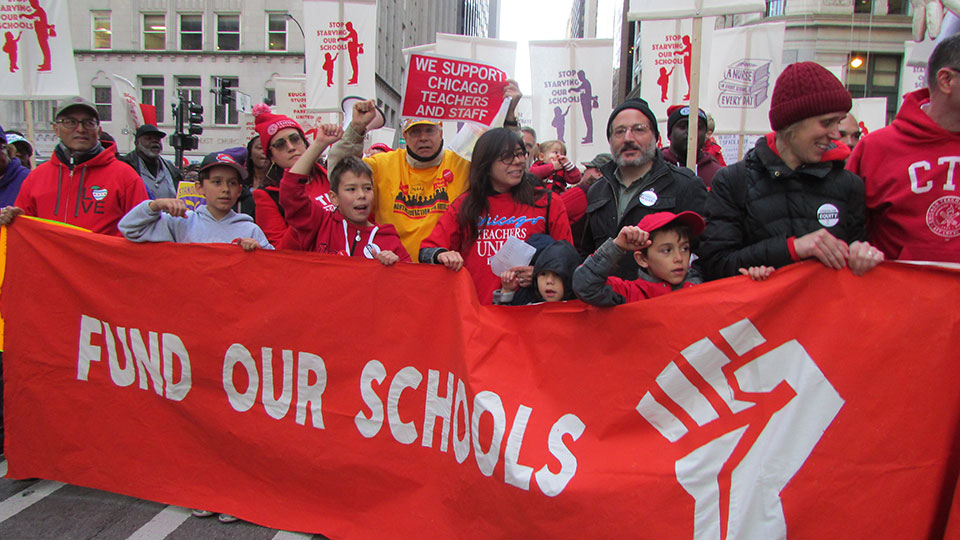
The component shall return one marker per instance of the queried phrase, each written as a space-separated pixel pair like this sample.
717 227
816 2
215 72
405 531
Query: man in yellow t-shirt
414 185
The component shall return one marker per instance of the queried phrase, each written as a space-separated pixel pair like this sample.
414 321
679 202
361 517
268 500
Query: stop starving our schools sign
808 406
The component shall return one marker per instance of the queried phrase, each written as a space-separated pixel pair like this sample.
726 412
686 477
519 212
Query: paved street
43 509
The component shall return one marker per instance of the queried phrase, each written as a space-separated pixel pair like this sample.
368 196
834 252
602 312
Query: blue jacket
11 181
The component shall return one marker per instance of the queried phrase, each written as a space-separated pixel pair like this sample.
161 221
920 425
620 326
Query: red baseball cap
653 222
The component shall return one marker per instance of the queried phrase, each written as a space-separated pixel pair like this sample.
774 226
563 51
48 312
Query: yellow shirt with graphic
412 200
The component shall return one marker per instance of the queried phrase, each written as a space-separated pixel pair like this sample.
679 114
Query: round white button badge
828 215
648 198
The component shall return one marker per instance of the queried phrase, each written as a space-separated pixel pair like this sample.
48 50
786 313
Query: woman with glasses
283 141
502 200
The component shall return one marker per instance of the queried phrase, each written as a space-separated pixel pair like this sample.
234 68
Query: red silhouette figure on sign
354 49
863 129
10 47
687 52
664 83
328 64
44 32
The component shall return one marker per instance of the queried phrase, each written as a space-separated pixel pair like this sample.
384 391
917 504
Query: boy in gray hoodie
168 220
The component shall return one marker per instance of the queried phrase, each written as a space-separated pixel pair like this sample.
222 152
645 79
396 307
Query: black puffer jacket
757 204
678 189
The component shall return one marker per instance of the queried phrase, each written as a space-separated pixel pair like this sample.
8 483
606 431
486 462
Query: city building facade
193 47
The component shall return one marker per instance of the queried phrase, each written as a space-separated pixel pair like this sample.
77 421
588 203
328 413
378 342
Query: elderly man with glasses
638 182
83 184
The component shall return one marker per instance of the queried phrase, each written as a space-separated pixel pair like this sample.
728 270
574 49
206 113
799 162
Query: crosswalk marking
24 499
287 535
162 524
3 468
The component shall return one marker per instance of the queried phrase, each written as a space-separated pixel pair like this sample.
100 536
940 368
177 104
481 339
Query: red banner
442 88
333 395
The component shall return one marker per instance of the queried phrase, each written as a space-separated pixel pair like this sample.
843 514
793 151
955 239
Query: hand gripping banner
326 394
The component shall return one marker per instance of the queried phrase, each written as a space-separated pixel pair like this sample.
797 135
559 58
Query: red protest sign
441 88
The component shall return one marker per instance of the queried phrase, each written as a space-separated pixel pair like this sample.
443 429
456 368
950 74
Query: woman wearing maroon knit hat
790 198
284 142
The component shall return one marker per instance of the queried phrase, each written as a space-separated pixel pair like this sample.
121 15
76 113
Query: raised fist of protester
8 213
632 238
174 207
509 281
823 246
758 273
928 16
864 257
328 134
451 259
363 113
512 90
387 257
248 244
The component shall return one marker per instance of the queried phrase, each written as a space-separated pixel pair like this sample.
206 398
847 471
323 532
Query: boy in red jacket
661 245
348 230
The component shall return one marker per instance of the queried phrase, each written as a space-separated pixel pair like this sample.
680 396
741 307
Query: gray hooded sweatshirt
144 225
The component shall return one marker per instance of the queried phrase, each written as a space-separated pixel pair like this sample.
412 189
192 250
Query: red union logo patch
943 217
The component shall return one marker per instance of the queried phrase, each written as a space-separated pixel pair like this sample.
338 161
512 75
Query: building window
154 32
228 32
191 32
878 76
225 113
862 6
101 30
775 7
103 100
276 31
151 93
270 96
190 88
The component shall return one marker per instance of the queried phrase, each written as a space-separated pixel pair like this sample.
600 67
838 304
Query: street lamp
291 17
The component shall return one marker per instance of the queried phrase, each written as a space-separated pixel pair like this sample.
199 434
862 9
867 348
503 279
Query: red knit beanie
803 90
268 124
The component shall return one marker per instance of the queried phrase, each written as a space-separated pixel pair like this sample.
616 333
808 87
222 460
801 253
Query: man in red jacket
909 168
83 184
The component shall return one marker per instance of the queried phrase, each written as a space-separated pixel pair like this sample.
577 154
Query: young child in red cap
661 246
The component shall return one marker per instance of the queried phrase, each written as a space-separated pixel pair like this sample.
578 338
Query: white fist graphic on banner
736 478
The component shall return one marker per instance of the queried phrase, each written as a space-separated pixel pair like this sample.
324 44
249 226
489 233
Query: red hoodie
909 168
314 228
504 218
94 195
273 222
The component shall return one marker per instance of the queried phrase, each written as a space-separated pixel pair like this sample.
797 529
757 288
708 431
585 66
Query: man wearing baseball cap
83 184
638 182
414 185
678 118
159 175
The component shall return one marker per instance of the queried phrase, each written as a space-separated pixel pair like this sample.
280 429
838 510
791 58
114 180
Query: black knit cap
640 105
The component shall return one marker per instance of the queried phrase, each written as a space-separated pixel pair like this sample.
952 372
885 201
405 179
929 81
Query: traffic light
194 118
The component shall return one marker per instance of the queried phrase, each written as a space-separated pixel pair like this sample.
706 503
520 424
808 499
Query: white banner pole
693 119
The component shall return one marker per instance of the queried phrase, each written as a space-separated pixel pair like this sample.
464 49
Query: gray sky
535 20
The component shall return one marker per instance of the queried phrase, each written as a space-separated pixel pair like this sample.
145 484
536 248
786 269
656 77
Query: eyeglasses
72 123
279 144
639 129
508 157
